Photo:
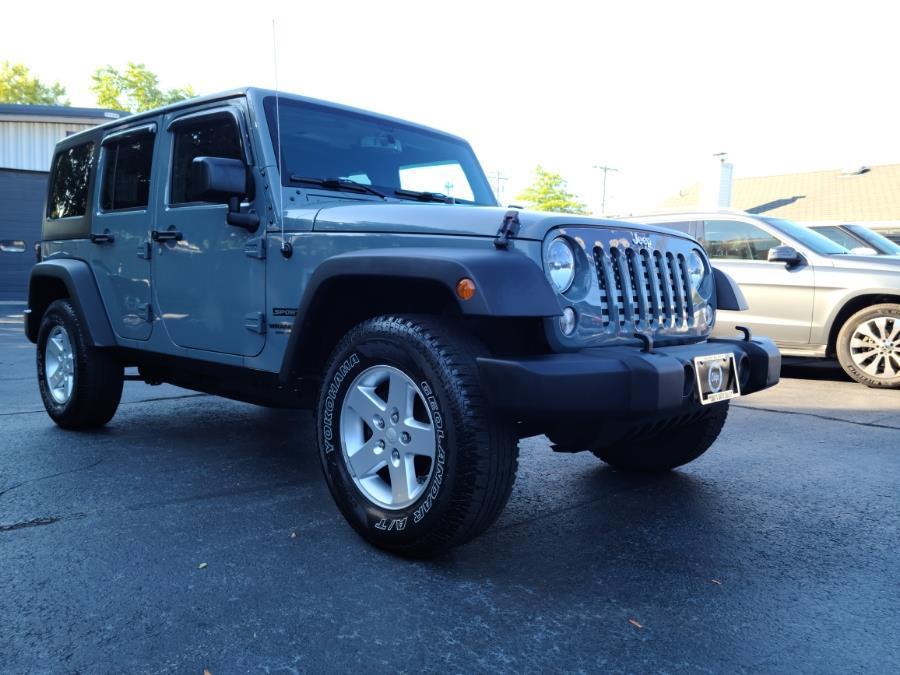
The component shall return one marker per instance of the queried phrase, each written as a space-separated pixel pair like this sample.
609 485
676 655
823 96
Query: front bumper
607 382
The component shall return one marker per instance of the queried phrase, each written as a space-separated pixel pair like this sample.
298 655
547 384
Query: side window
838 236
69 182
126 173
682 226
735 240
214 136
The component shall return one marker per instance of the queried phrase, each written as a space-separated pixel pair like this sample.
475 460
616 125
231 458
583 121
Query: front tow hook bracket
646 341
748 336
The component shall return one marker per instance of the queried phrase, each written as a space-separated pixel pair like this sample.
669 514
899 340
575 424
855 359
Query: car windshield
331 147
877 241
817 243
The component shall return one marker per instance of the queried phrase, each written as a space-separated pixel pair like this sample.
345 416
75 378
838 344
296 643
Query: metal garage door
21 201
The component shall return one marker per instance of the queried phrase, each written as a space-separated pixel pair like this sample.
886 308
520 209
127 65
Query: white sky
651 88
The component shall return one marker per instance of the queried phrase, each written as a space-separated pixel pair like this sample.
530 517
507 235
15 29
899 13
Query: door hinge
256 248
143 250
255 321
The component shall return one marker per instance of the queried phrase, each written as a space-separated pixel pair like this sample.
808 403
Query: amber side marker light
465 289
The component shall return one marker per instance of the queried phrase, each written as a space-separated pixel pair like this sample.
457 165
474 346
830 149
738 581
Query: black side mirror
218 179
785 254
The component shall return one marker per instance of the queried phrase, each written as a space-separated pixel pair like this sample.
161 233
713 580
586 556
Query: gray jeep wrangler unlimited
289 252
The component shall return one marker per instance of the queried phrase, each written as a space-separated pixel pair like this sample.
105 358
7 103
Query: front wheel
670 448
868 346
411 453
80 385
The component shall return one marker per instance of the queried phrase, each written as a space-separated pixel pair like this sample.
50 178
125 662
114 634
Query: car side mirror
785 254
219 179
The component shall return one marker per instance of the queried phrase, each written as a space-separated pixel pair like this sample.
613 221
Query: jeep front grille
649 289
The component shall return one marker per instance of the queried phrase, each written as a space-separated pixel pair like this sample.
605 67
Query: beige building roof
872 195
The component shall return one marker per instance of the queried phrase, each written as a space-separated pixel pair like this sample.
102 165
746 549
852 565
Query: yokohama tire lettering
440 456
328 415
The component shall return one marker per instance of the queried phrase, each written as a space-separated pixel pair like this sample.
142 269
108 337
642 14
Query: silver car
808 293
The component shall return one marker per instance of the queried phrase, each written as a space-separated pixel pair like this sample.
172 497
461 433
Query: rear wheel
80 385
868 346
669 449
412 456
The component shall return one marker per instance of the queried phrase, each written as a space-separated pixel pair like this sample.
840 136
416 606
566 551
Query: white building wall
28 146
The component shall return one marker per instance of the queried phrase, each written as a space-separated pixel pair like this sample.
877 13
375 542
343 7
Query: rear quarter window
69 180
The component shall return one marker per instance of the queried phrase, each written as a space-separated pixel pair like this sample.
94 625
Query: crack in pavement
874 425
37 522
52 475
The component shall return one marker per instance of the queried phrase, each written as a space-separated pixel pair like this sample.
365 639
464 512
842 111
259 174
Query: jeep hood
453 219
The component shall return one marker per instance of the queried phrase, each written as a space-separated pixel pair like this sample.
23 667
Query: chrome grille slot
601 260
618 303
651 289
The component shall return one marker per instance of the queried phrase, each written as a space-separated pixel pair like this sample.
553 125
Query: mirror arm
248 221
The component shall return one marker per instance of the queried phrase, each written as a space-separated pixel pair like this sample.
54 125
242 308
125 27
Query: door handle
105 238
166 235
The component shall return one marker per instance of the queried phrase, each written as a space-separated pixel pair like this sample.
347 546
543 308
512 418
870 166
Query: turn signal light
465 289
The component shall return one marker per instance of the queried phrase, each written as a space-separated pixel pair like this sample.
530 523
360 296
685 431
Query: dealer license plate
716 378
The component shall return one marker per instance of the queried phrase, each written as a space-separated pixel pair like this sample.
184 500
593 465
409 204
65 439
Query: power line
497 177
605 170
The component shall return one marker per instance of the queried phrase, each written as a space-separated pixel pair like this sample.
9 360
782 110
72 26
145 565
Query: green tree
18 85
548 193
134 89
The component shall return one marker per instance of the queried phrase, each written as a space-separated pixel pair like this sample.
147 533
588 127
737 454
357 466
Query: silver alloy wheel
387 437
59 365
875 347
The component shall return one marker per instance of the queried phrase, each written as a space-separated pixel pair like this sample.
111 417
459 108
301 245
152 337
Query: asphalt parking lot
195 532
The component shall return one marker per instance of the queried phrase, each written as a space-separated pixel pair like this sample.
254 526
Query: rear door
120 226
780 297
210 282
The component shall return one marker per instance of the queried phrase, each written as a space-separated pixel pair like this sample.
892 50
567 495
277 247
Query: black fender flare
508 284
728 293
83 293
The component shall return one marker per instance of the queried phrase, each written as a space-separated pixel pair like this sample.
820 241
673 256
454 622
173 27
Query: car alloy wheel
875 346
387 437
59 365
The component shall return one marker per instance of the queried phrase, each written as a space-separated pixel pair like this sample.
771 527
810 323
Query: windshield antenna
286 248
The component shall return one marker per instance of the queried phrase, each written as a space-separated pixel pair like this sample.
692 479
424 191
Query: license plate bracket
716 378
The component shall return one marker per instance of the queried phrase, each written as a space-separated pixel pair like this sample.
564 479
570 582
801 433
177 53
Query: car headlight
696 270
561 264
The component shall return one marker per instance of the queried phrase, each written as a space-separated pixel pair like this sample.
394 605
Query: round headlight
561 264
696 270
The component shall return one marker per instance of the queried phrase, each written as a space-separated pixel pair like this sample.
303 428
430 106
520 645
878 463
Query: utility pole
605 170
496 177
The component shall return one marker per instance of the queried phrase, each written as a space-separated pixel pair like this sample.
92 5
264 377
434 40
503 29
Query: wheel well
42 292
344 302
852 307
348 301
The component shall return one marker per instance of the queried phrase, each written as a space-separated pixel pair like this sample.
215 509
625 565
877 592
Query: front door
209 279
780 298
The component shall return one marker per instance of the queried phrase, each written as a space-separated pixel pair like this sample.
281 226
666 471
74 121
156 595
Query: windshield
817 243
324 143
877 241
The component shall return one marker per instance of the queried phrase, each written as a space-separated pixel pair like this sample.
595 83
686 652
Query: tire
668 449
868 346
84 384
446 499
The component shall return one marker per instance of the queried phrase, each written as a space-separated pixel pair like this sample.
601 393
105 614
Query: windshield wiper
338 184
426 196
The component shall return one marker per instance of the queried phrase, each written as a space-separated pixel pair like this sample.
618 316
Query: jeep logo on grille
641 240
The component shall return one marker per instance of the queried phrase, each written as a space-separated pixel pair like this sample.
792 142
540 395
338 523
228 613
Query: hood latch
509 229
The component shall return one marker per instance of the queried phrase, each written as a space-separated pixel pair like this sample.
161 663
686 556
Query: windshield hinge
256 322
509 229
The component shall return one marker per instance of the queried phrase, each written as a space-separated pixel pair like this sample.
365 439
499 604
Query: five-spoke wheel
387 437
